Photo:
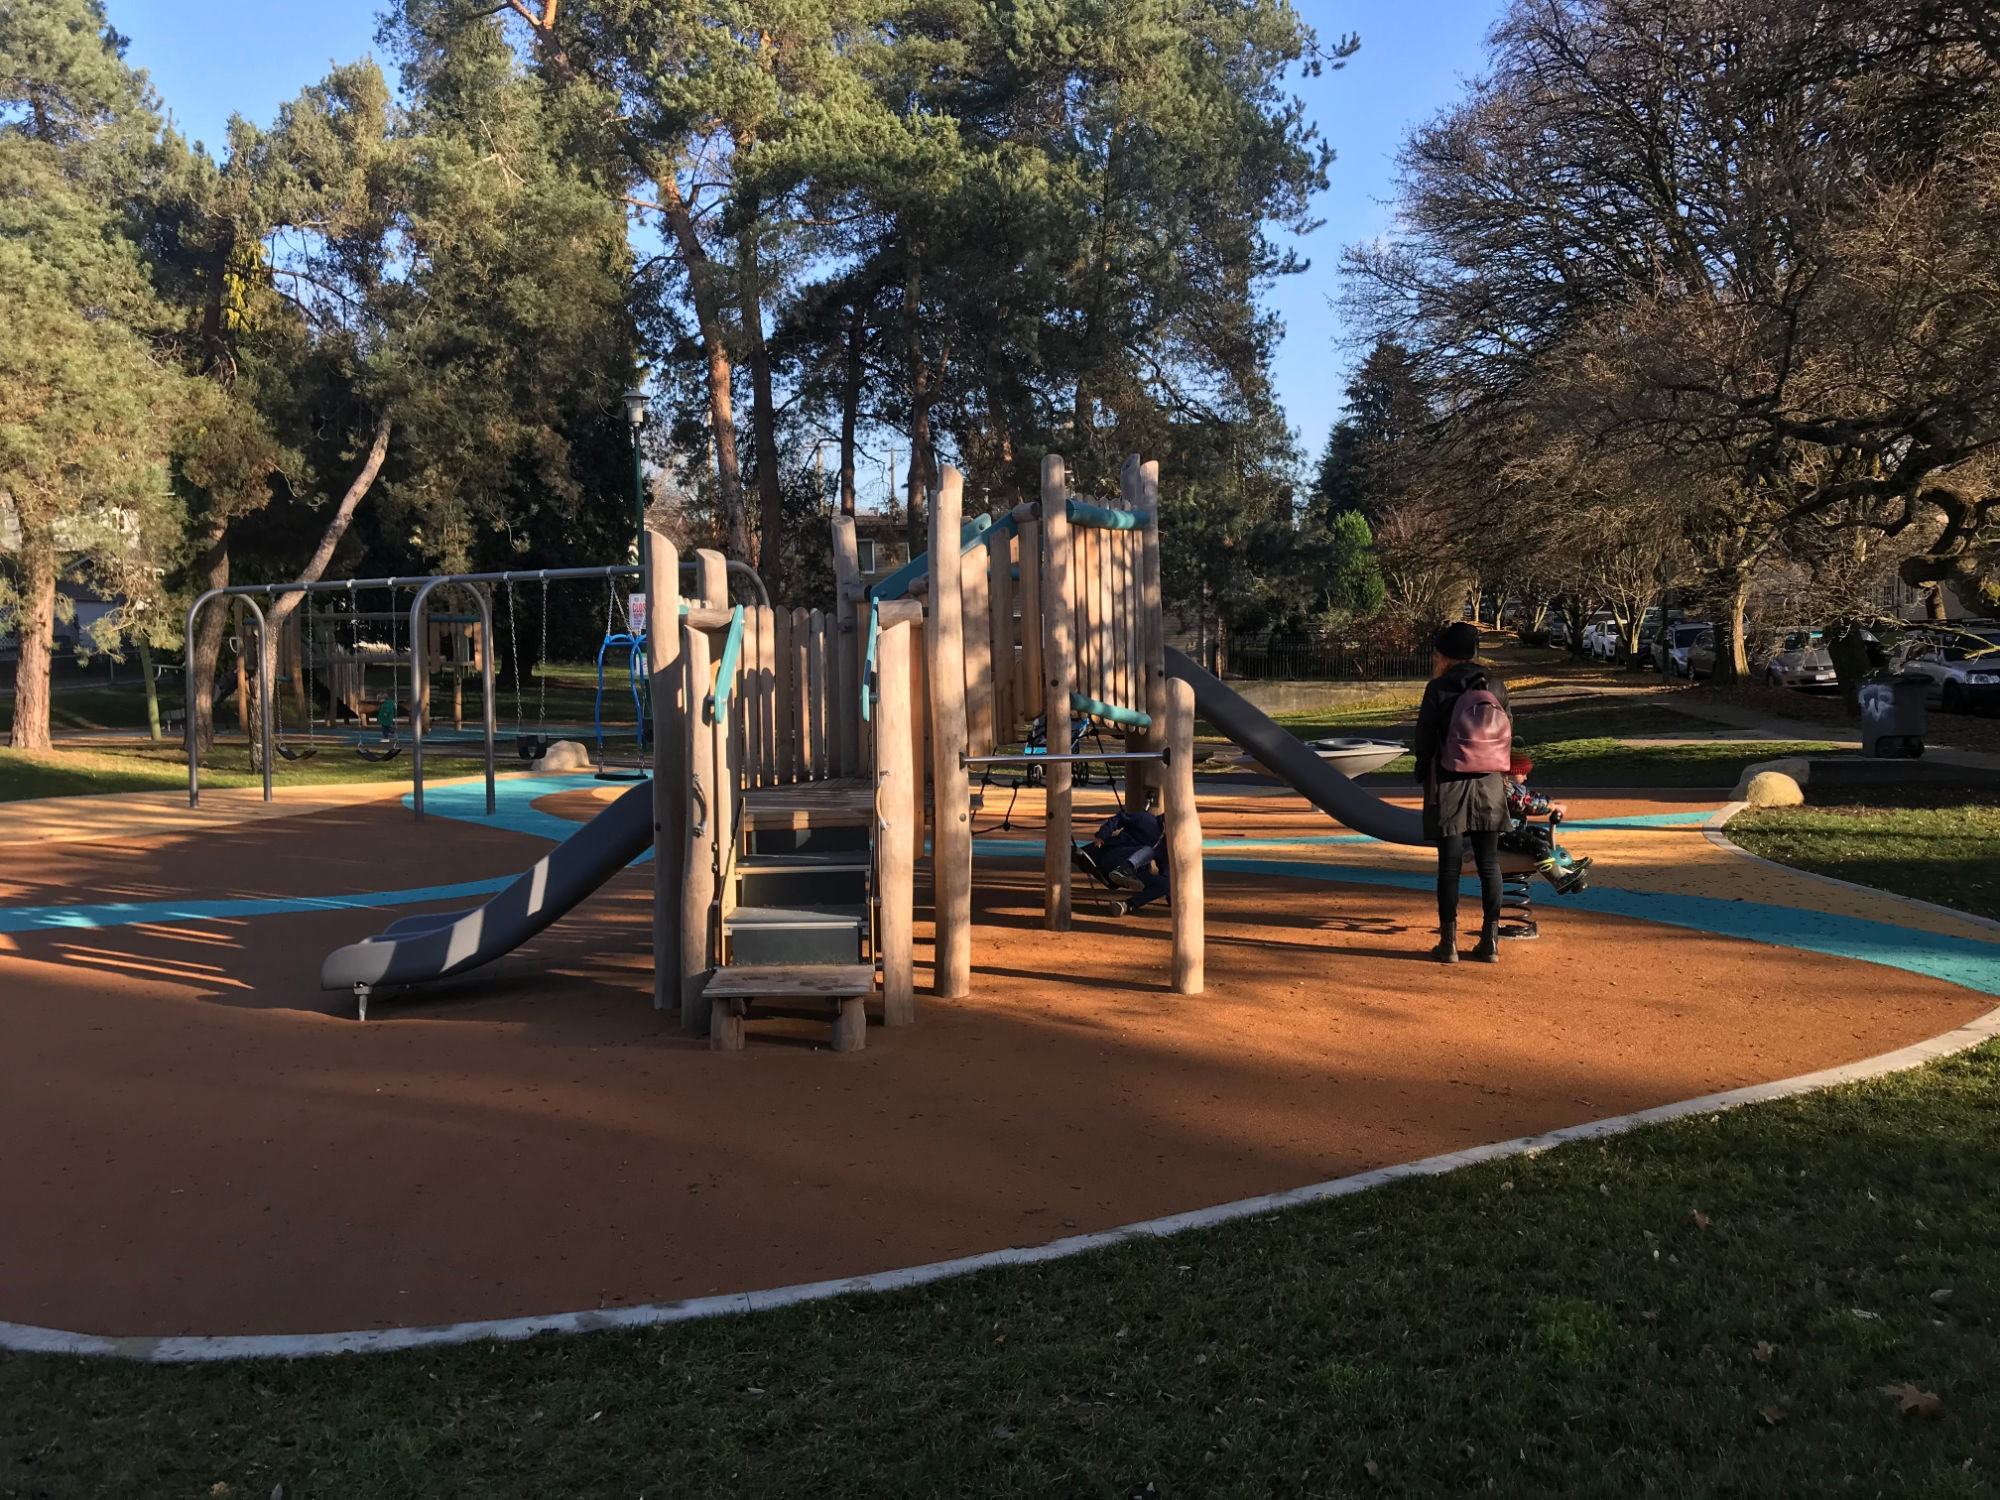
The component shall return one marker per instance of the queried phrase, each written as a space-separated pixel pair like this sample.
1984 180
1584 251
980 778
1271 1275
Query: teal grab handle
1131 718
725 669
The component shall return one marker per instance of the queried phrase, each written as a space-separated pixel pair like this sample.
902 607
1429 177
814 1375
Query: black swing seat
290 754
387 750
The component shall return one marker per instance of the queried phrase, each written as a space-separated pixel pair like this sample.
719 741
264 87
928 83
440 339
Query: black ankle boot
1446 951
1488 951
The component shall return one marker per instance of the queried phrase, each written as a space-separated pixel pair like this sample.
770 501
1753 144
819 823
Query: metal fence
1302 658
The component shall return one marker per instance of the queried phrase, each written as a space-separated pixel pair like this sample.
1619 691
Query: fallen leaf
1909 1400
1700 1219
1772 1415
1373 1469
1506 1187
1942 1296
1763 1352
1003 1431
1865 1315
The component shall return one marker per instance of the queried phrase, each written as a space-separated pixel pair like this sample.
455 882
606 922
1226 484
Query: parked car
1558 630
1600 636
1671 647
1799 659
1650 625
1961 666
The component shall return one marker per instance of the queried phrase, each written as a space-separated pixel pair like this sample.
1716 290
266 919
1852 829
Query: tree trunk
283 606
850 403
704 285
37 621
1934 607
763 418
1732 661
920 408
198 685
1844 644
152 690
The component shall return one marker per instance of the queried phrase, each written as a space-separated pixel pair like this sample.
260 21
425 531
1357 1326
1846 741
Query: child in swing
1125 855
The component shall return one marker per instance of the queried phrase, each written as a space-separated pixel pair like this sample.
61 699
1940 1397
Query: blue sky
249 56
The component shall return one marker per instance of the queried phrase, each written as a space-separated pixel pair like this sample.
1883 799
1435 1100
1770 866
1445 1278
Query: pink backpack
1481 736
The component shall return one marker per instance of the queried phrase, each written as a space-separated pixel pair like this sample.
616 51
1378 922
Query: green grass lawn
1949 854
121 707
146 767
1734 1305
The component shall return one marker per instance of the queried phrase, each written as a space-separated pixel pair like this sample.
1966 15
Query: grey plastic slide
437 944
1291 762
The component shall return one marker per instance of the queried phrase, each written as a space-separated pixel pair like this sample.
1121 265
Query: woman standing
1464 738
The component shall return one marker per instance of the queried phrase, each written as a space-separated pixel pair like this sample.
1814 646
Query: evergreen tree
1367 460
87 406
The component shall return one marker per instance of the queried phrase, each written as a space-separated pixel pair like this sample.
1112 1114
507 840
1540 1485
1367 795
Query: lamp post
635 414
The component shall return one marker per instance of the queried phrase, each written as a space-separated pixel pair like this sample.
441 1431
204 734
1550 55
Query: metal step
809 880
818 839
774 935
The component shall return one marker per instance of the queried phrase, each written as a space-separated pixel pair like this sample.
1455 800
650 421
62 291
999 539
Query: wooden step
846 986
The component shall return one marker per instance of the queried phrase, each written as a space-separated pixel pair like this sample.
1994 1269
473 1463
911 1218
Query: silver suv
1799 658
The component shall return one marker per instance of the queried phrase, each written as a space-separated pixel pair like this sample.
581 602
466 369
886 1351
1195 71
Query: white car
1961 666
1801 660
1600 636
1671 647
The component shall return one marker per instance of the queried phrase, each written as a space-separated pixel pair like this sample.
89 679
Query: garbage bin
1892 717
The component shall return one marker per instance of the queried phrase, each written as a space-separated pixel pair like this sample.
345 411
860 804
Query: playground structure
797 751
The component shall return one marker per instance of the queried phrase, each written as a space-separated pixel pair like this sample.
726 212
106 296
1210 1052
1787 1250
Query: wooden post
802 694
1000 630
725 1027
711 571
1152 620
1183 841
850 1026
767 696
920 718
698 878
783 717
951 792
898 812
979 675
1057 673
851 642
670 764
816 691
1030 539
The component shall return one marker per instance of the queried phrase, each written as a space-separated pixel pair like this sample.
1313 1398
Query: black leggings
1451 869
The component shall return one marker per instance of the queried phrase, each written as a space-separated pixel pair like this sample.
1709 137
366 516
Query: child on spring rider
1538 841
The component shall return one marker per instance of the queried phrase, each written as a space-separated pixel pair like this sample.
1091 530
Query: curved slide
1287 758
440 943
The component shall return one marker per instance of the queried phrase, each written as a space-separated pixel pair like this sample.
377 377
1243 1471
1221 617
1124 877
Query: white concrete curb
1712 830
27 1339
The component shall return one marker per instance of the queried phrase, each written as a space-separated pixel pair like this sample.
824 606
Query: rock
1795 768
1773 789
565 755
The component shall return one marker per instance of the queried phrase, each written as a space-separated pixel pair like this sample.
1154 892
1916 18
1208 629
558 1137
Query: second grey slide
1290 761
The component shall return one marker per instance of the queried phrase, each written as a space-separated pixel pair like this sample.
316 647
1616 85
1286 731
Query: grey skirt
1474 804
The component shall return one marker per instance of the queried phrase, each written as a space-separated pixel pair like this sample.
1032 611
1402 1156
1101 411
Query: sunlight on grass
1949 855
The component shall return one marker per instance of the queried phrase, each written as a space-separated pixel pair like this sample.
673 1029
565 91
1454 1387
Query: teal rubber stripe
1111 711
1082 513
1962 961
897 584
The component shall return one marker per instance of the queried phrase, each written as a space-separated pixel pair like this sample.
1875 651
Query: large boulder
1793 768
565 755
1773 789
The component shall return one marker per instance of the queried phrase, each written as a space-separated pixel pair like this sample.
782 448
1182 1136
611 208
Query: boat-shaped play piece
1357 757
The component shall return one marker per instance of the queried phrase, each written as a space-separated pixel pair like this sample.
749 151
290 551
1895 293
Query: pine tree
87 406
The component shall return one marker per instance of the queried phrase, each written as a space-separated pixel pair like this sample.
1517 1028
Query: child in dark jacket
1125 854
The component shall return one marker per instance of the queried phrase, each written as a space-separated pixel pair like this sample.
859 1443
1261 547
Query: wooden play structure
802 755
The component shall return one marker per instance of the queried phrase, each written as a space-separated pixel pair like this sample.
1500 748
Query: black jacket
1457 801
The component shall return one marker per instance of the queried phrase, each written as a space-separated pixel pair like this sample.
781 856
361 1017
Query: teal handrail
868 666
1111 712
1083 513
725 668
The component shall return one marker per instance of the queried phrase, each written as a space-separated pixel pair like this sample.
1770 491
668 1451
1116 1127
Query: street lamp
635 415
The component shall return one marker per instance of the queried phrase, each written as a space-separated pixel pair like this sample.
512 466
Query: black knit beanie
1458 642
